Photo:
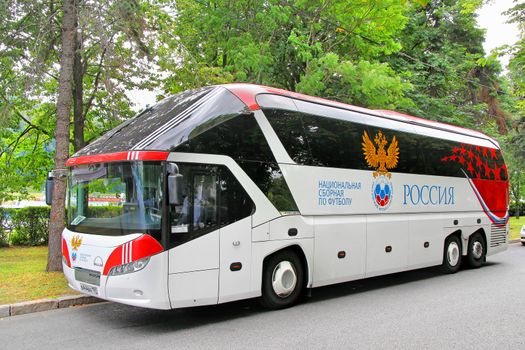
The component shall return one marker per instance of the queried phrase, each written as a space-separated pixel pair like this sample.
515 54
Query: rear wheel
451 255
522 243
476 250
283 280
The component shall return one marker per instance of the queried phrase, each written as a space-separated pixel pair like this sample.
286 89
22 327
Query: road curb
61 302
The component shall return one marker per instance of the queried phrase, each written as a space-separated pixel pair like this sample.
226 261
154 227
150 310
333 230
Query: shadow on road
162 321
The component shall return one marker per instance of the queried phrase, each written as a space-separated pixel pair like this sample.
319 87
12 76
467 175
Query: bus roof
248 94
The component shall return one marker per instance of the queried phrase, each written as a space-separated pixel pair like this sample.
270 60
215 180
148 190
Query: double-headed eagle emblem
380 159
76 241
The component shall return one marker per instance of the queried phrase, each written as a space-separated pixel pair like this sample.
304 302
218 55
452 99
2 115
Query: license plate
87 276
88 289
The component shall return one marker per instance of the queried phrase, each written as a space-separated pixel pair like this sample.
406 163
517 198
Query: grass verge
23 276
515 227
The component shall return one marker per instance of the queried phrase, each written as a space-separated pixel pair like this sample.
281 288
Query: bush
29 225
514 206
5 227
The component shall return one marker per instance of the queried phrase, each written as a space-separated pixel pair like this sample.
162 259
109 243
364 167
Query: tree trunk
64 101
78 96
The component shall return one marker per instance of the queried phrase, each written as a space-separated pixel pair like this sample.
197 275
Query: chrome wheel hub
453 254
284 279
477 250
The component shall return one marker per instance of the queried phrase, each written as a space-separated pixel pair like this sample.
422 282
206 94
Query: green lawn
515 226
23 276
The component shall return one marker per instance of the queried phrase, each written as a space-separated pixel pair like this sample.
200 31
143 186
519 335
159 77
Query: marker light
65 253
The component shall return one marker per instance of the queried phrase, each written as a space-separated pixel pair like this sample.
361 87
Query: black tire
477 251
289 262
451 255
522 243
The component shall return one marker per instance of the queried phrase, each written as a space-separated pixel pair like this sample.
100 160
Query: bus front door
195 238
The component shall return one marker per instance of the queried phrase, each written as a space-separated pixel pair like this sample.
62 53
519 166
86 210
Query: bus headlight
133 266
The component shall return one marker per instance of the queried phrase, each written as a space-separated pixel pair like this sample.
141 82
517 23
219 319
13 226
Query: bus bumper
145 288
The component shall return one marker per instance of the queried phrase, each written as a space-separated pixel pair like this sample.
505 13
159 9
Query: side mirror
176 189
50 182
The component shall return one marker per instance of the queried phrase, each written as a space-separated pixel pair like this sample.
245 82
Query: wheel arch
297 249
465 239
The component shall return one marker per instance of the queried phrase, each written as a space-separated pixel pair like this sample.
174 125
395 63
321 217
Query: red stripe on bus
137 249
246 93
118 156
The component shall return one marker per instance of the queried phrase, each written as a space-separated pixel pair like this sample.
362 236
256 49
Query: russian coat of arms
381 160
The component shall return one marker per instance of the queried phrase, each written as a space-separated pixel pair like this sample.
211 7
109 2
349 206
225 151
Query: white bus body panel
194 271
235 247
334 234
386 232
194 288
279 228
145 288
201 253
426 228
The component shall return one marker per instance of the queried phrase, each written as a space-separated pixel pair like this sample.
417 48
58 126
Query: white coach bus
240 191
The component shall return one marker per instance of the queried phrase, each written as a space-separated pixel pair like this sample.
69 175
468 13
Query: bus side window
214 198
235 204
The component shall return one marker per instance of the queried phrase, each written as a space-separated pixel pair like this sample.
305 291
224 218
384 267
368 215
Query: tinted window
334 143
242 139
239 137
213 198
270 181
289 127
146 123
329 142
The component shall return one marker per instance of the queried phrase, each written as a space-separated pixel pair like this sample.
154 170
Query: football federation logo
76 241
381 161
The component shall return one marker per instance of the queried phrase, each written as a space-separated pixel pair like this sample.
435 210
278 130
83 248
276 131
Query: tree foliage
113 54
423 57
316 47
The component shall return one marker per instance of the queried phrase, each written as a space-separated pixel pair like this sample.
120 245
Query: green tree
443 58
516 137
316 47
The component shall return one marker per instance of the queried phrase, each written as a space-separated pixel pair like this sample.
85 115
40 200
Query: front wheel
451 255
283 280
476 250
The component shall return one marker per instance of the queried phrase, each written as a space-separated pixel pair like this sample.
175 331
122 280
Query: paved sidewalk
46 304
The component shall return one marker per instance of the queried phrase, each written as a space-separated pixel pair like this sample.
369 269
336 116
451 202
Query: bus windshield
115 198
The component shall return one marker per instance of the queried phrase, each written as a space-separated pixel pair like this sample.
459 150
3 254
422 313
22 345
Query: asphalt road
423 309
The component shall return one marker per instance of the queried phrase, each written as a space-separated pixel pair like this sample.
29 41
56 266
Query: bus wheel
476 250
283 280
451 255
